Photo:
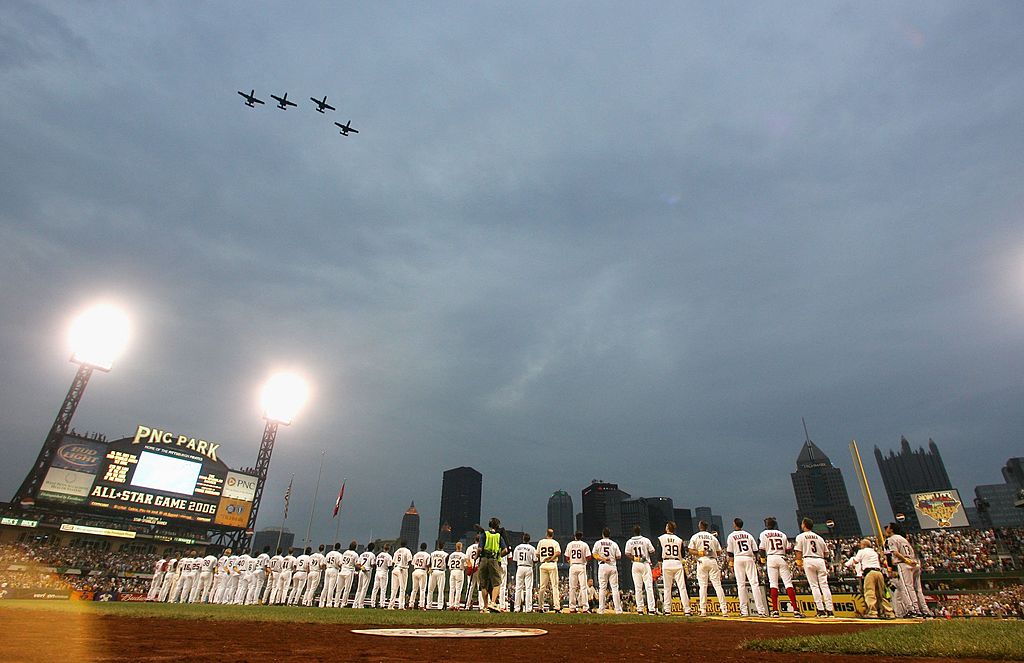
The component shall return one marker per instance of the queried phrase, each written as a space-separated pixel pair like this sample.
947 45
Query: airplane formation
283 103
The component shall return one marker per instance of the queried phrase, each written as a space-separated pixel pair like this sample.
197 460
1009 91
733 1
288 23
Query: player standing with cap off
456 577
774 544
704 546
400 576
366 568
672 550
299 574
525 556
608 554
435 579
158 579
578 553
349 568
810 552
317 562
332 567
420 565
383 563
548 552
639 549
472 565
741 546
259 577
275 566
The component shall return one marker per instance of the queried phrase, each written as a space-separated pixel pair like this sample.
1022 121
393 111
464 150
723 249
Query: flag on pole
337 503
288 495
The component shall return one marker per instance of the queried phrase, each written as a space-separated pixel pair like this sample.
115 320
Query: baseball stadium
361 298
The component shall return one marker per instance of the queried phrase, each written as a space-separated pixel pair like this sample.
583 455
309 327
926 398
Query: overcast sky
572 240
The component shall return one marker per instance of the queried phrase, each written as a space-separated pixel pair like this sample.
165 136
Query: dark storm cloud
566 245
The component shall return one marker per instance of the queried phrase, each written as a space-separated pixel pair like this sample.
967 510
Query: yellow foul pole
865 491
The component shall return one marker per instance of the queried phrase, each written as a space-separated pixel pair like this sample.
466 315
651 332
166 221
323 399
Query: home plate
452 632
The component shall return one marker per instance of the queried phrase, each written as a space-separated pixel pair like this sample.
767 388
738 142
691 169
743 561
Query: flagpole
337 525
285 517
316 489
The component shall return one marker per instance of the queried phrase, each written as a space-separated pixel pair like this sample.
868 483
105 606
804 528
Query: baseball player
284 579
187 575
220 576
639 549
332 562
548 552
420 564
435 579
158 579
234 574
810 553
774 545
246 564
472 564
317 561
525 556
742 547
204 580
299 575
578 553
908 598
456 577
349 566
400 576
503 586
672 572
276 566
704 546
383 562
259 577
169 576
608 554
366 568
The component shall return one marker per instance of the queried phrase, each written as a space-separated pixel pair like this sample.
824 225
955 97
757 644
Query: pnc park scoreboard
154 476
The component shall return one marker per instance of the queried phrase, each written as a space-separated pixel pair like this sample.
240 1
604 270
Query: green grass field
1003 640
258 613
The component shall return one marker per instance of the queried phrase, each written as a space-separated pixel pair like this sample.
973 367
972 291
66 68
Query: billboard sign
939 509
72 470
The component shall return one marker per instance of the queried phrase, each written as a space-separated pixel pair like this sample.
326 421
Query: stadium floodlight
98 336
283 396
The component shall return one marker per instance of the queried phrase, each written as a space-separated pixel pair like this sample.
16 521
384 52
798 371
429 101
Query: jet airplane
321 105
282 102
346 128
250 98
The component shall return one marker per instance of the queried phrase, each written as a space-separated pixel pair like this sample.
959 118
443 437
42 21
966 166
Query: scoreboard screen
157 475
171 475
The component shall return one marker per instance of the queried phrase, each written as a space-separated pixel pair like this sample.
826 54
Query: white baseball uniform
456 578
420 564
383 564
548 552
706 548
577 553
909 595
259 577
158 579
349 562
812 549
284 580
169 577
276 565
607 551
639 549
473 562
743 547
435 581
672 573
317 561
775 544
366 568
332 562
299 575
400 577
525 556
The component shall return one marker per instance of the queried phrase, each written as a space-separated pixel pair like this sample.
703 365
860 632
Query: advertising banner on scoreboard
939 509
72 470
159 474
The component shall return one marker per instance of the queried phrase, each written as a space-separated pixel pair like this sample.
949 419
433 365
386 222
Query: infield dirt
47 637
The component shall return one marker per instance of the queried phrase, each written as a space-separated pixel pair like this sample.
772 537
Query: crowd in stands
1007 602
28 566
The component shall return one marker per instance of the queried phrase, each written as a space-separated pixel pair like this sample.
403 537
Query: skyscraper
997 503
560 516
821 492
601 508
460 503
911 472
410 532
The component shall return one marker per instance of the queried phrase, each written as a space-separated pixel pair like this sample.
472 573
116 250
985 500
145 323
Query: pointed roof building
821 492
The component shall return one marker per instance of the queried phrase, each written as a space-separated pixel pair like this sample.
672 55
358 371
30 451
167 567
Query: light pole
97 337
283 396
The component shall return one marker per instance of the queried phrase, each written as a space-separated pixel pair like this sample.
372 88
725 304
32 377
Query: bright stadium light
99 336
284 394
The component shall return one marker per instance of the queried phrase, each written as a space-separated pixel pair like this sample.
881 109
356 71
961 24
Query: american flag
337 503
288 495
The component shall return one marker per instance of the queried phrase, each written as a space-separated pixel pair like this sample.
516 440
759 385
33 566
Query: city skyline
642 253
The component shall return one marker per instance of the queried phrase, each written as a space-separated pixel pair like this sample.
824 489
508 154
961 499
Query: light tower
283 396
97 337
